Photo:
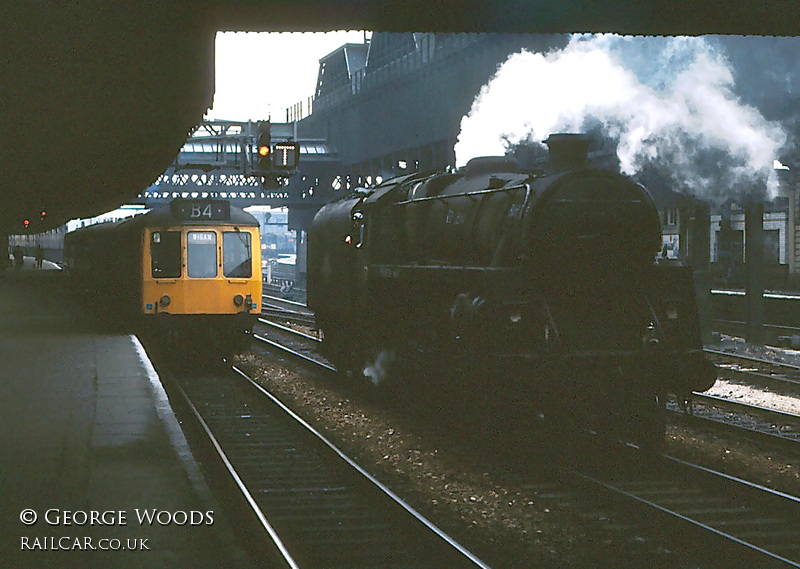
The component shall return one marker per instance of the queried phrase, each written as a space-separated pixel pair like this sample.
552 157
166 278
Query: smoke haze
670 104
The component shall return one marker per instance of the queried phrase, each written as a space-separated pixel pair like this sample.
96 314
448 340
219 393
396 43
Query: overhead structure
98 98
96 101
247 163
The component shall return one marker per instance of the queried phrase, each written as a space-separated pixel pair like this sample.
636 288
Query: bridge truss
219 161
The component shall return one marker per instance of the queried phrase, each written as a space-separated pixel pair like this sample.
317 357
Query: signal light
26 223
42 215
263 146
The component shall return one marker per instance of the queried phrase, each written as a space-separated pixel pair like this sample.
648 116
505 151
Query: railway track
775 427
741 520
285 289
713 511
774 332
291 342
758 371
763 425
316 506
743 524
281 309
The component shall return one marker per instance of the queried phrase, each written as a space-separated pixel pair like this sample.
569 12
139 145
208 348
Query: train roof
165 215
97 228
220 213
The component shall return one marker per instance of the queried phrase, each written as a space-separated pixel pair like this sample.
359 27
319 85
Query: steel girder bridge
220 161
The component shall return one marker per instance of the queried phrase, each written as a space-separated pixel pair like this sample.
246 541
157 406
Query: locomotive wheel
649 423
339 348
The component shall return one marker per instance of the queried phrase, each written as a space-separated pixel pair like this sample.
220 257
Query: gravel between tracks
473 498
741 458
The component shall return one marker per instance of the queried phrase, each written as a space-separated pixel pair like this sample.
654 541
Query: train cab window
237 257
201 254
165 254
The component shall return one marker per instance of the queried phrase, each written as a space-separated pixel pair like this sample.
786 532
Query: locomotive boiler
539 287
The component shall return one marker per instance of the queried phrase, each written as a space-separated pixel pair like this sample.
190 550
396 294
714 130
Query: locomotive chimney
567 152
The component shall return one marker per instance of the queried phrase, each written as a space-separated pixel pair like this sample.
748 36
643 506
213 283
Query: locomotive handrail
441 267
595 201
464 194
528 193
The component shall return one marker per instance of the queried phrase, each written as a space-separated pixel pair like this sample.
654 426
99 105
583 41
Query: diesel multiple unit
190 270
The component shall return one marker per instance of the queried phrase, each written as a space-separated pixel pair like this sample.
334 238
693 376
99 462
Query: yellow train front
189 272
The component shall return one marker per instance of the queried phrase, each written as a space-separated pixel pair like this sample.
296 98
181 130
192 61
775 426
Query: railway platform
95 470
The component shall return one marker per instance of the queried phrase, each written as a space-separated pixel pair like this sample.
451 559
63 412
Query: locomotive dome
490 164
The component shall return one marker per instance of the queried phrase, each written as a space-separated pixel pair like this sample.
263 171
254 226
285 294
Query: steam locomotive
540 287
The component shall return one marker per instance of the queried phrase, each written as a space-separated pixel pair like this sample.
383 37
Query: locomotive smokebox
567 152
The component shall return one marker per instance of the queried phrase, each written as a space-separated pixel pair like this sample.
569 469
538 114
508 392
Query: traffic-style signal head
263 146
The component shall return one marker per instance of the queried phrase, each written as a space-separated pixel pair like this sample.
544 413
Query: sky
259 75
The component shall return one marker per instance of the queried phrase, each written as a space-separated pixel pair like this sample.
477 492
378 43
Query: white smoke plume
669 103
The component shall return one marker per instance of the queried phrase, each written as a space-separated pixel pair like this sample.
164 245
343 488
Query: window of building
772 247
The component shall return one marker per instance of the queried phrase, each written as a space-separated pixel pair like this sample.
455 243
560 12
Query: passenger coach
189 270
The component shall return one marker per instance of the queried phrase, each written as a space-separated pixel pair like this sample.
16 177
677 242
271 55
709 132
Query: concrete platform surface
94 468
